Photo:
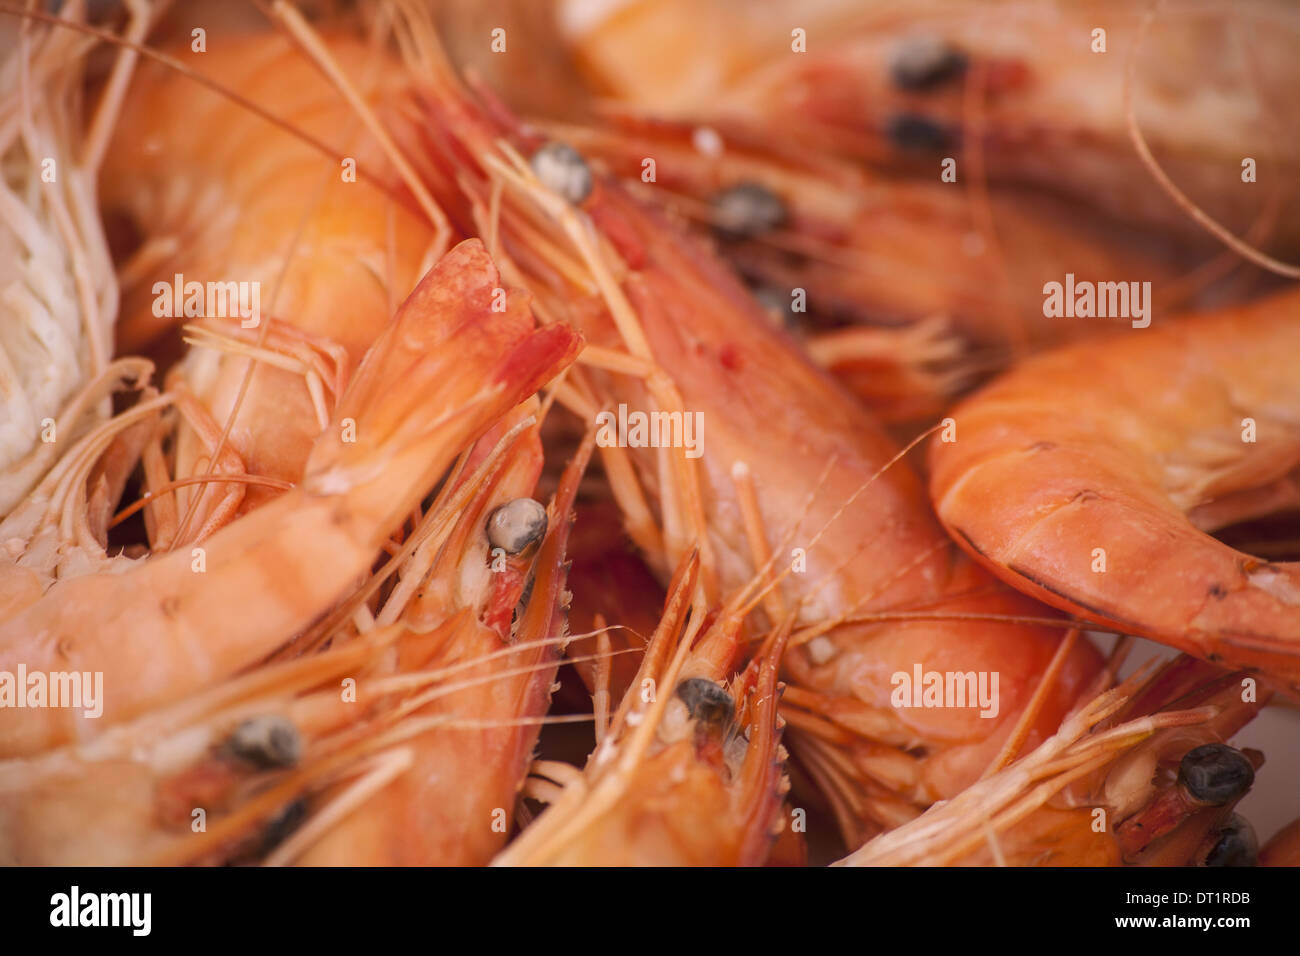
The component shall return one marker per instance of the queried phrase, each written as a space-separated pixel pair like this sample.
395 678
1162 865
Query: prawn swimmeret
349 543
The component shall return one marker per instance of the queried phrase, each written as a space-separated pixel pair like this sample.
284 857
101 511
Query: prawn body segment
1189 427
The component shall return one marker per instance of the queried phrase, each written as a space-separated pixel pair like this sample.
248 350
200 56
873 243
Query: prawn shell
1032 487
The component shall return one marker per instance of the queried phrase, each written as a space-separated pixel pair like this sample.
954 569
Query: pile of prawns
340 568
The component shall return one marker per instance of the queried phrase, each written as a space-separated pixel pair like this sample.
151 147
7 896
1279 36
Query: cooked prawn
455 803
1140 775
1032 88
340 245
670 327
1188 428
687 776
873 248
462 366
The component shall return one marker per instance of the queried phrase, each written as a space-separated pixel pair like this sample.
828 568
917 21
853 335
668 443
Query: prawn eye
924 62
516 525
912 131
1237 844
1214 774
706 701
562 169
747 210
266 742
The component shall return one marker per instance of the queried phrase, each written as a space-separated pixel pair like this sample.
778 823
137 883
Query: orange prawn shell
1033 491
201 178
867 658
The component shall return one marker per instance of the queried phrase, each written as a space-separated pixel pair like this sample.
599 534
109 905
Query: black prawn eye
1215 774
707 701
